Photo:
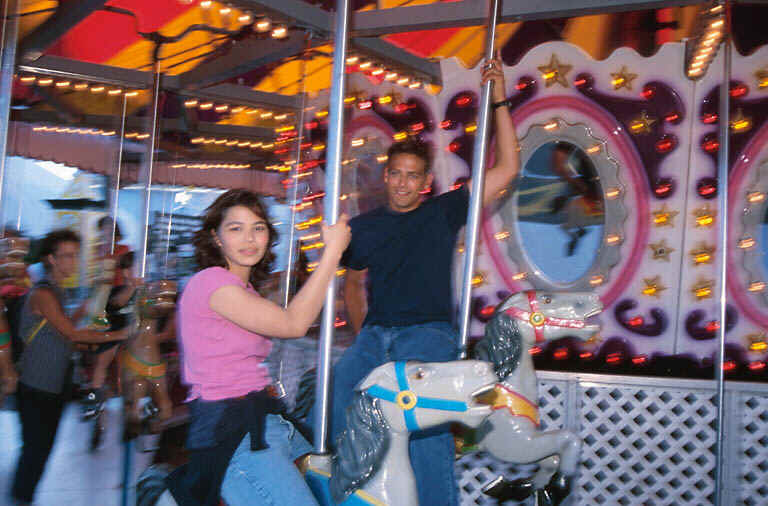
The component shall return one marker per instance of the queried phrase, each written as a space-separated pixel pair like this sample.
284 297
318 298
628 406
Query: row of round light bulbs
88 131
265 114
263 25
369 66
706 48
65 84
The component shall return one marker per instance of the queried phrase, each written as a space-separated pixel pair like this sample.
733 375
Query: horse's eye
418 375
547 300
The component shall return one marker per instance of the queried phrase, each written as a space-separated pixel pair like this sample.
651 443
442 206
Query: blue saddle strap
408 400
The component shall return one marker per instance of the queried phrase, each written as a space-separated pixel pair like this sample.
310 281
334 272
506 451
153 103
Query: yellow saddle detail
143 369
515 403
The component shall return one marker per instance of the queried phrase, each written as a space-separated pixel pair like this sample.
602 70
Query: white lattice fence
648 441
751 450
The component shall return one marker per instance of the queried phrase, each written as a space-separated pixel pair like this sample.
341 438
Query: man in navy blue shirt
405 249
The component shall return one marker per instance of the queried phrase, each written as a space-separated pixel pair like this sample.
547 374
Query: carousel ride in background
617 195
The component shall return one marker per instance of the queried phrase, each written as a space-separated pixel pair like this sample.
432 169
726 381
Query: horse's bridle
408 400
537 319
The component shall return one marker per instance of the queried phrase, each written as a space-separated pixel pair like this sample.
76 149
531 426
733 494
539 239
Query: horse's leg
516 439
548 466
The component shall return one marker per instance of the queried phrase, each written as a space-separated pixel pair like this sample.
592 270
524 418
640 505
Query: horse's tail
360 448
305 395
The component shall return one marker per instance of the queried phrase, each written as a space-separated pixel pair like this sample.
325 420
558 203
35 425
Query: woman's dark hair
208 253
50 243
104 220
411 147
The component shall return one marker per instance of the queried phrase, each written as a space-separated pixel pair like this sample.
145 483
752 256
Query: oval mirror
560 211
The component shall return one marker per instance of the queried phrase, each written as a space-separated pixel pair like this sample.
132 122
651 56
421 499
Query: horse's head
157 299
419 395
551 315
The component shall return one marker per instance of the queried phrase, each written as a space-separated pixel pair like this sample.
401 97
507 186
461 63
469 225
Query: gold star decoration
757 342
653 286
703 289
555 72
622 79
704 216
740 123
702 254
642 125
664 217
660 250
762 78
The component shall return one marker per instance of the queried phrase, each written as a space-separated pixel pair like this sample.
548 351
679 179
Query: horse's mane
360 448
503 343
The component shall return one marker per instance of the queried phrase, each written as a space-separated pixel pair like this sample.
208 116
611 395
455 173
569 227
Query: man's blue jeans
432 451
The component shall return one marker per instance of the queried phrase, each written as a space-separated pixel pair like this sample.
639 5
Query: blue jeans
269 477
432 451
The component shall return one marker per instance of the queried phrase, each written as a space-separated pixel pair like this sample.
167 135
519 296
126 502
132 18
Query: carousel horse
142 364
14 279
371 464
512 432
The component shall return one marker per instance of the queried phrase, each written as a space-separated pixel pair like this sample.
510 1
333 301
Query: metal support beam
331 211
304 15
472 230
93 72
68 14
380 22
243 56
137 124
9 29
241 95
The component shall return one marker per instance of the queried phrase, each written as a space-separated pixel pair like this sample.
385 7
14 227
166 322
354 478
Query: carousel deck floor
73 475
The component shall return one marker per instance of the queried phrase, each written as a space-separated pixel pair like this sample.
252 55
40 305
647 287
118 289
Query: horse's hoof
505 490
558 488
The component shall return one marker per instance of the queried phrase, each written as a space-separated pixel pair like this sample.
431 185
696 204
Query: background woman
46 362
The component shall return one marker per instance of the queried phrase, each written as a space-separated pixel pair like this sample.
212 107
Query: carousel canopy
232 71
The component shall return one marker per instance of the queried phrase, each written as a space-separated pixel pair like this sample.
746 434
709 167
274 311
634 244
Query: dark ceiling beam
301 14
375 23
243 56
138 124
129 78
93 72
67 15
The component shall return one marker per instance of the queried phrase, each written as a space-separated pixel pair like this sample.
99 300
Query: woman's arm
45 303
262 316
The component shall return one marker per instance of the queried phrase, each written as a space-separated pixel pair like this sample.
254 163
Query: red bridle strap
537 319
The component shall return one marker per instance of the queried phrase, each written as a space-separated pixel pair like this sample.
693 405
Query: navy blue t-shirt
408 257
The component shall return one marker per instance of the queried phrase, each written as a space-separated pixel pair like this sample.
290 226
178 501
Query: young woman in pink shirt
222 327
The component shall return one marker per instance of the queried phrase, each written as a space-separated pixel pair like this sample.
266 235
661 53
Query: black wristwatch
501 103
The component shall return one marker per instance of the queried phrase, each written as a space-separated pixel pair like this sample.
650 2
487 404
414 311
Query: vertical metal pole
145 177
722 198
331 209
10 32
116 195
476 199
294 189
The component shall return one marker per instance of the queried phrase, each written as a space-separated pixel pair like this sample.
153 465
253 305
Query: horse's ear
382 374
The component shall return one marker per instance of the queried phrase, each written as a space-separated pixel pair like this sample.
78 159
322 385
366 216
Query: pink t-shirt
221 359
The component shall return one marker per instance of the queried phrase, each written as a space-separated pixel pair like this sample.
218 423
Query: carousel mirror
755 233
560 211
566 211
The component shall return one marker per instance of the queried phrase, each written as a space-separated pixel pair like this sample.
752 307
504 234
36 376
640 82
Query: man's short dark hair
411 147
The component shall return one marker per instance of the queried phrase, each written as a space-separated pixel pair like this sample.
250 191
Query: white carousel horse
512 432
371 464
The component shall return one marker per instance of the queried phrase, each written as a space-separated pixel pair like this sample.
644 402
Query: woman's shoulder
212 277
